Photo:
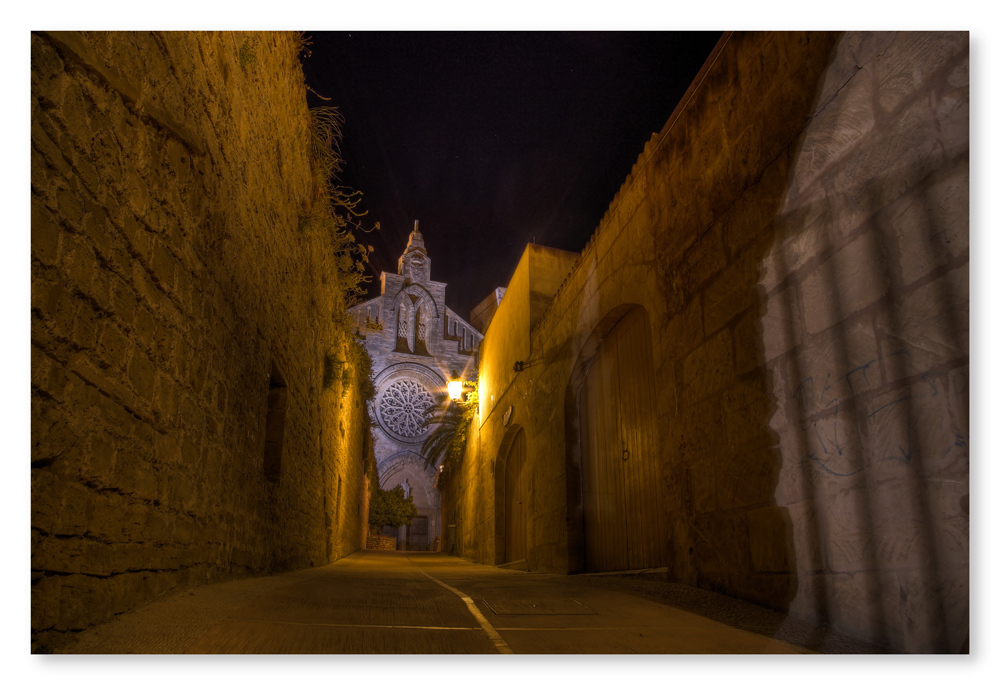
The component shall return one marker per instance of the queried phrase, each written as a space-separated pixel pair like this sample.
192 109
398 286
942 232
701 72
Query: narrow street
420 603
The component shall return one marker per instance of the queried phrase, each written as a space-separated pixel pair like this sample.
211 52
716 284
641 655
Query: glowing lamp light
455 388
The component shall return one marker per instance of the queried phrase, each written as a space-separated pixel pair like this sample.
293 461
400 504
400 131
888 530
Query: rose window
404 407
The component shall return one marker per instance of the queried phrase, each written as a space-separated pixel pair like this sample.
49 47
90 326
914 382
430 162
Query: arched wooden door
515 502
621 484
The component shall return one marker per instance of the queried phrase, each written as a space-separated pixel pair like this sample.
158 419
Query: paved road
417 603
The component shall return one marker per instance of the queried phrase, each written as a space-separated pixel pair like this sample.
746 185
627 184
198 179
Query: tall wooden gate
621 482
515 500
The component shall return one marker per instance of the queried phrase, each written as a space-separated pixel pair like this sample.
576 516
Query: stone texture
709 368
805 215
928 326
153 327
850 280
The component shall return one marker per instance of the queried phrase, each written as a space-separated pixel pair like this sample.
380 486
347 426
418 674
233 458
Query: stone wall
865 339
172 294
798 236
381 542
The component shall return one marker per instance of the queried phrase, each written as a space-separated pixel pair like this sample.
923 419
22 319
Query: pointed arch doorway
623 527
512 499
408 470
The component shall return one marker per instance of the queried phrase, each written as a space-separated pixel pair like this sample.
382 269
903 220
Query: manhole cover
536 606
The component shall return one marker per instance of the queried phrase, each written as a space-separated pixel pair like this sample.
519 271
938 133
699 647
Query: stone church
416 344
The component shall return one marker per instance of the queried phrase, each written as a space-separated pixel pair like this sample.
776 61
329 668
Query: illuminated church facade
416 344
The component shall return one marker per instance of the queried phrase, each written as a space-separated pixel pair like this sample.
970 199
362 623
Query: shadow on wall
722 462
865 336
812 334
798 246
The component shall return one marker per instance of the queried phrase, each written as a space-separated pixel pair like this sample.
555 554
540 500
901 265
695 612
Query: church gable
410 318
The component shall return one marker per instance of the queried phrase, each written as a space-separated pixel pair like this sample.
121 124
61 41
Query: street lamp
455 388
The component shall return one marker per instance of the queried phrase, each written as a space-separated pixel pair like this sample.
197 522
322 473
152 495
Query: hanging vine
336 213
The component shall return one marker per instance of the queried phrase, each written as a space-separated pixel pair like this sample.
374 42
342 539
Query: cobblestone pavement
420 603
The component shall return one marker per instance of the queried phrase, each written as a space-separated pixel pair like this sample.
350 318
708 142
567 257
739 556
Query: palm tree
446 443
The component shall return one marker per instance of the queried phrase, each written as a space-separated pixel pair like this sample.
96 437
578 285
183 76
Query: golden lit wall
169 175
538 275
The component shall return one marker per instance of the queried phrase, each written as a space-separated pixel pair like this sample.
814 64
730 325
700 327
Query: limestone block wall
865 338
382 542
171 289
798 236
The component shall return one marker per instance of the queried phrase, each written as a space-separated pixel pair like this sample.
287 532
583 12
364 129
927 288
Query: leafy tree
389 508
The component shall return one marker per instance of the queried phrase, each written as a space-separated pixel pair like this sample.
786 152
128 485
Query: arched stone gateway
409 470
511 498
416 344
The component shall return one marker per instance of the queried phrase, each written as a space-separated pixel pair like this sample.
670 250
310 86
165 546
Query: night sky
494 140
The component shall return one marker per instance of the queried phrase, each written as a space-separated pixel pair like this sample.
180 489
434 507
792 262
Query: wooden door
621 481
417 536
515 501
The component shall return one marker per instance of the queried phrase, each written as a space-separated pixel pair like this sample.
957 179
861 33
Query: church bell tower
414 264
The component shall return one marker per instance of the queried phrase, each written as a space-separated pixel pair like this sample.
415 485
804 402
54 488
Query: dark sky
494 140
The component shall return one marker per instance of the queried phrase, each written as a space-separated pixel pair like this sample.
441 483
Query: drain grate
549 607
